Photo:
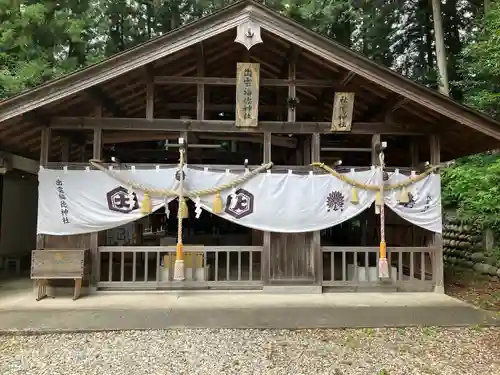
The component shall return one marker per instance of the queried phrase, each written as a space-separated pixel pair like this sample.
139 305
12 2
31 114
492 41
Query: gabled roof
227 19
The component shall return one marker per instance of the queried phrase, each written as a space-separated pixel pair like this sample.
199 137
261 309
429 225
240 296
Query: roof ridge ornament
248 34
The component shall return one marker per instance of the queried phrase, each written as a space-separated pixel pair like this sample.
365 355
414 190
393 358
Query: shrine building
240 151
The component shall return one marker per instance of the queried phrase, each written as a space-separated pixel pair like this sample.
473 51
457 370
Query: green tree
481 61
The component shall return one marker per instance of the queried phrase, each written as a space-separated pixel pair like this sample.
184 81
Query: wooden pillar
82 154
372 222
437 239
200 88
415 231
150 94
308 151
316 238
44 159
414 153
292 92
65 149
94 237
266 245
293 261
375 141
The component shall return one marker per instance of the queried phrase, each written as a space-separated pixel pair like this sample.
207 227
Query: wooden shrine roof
119 83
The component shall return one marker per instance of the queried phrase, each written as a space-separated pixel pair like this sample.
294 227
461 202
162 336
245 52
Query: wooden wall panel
291 257
77 241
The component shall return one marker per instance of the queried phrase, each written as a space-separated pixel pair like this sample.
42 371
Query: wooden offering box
52 264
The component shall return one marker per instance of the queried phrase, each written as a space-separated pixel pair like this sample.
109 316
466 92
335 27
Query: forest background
43 40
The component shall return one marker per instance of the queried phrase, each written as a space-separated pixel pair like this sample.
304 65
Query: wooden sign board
247 94
59 264
343 105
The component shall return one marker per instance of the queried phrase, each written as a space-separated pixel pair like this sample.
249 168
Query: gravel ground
421 351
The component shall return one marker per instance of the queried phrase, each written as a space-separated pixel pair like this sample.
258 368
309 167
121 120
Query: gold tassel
403 195
378 199
146 206
217 207
354 195
184 209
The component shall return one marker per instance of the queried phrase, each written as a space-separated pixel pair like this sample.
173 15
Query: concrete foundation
19 312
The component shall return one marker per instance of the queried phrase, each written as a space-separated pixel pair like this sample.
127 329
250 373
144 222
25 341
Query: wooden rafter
97 95
380 109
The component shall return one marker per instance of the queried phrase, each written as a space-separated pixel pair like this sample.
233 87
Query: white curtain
285 202
76 201
424 207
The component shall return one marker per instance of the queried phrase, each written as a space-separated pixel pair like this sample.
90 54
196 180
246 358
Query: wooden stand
59 264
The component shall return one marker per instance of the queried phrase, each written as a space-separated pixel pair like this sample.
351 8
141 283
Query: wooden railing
410 268
239 267
152 267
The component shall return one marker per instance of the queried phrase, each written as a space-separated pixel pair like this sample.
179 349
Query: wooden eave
427 105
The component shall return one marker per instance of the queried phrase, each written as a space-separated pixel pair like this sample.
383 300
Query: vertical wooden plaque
247 94
343 105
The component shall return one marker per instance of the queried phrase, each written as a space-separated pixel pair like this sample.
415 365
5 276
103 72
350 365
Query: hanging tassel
179 274
354 195
403 195
217 207
146 206
383 266
184 209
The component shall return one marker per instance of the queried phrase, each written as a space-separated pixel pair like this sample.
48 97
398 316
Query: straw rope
171 193
359 185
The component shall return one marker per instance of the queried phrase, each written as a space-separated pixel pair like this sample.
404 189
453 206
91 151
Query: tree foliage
472 185
41 40
481 61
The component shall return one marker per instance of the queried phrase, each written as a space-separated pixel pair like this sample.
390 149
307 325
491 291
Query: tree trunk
440 48
487 6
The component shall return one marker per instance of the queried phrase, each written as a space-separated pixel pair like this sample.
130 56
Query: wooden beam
20 163
101 98
178 125
230 107
222 81
346 80
276 140
346 149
